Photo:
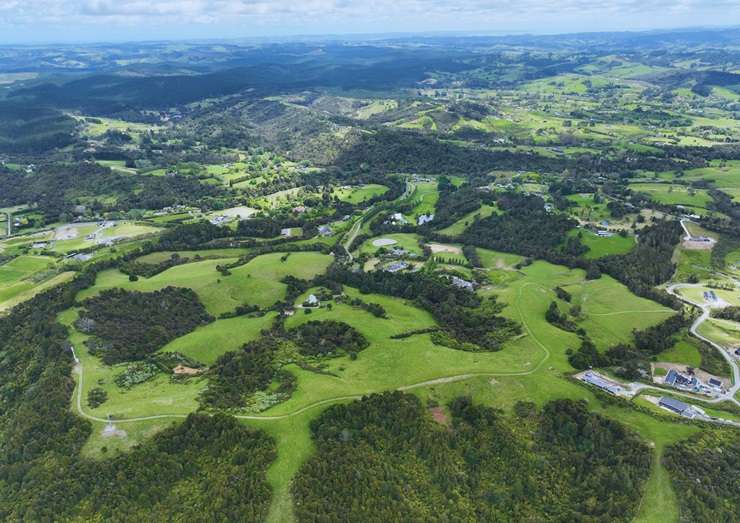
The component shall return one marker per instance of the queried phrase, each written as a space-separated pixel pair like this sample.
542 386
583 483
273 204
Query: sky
44 21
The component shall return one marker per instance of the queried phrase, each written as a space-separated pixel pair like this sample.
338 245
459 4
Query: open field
256 283
608 307
463 223
355 195
425 197
407 241
205 344
672 194
531 367
690 262
724 332
599 246
725 176
160 256
684 352
586 209
25 276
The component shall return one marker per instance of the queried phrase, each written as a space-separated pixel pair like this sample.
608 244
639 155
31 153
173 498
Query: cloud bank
209 17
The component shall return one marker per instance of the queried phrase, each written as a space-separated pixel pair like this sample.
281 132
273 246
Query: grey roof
595 379
673 404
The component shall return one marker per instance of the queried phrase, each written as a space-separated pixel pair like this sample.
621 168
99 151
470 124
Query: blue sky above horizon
40 21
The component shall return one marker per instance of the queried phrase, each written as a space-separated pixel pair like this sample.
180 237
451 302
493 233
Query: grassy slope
529 368
460 225
408 241
257 282
598 246
673 194
207 343
357 195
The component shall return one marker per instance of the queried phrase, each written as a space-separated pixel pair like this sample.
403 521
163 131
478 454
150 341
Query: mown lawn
684 352
598 246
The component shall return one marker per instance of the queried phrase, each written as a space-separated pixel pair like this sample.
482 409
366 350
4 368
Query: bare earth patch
441 247
66 232
111 431
182 369
694 245
439 416
683 369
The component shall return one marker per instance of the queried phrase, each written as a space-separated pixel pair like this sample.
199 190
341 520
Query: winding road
694 329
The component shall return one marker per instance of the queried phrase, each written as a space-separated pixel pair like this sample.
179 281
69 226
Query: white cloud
313 16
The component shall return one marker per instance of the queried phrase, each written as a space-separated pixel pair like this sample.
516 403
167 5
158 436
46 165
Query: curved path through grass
435 381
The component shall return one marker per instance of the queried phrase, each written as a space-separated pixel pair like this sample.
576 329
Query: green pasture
684 351
463 223
407 241
599 246
355 195
160 256
724 175
531 367
585 208
256 283
425 197
610 311
205 344
691 262
672 194
724 332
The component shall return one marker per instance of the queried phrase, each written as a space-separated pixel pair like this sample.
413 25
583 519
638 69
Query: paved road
636 387
355 229
694 329
352 234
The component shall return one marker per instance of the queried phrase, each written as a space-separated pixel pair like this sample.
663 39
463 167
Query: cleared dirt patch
683 369
440 416
182 369
441 247
694 245
111 431
66 232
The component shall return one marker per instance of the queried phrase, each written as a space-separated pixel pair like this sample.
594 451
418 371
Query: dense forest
649 263
236 374
384 459
44 478
323 338
26 128
526 228
705 472
168 477
56 189
127 326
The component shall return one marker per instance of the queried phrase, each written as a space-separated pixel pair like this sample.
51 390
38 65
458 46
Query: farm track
729 396
434 381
